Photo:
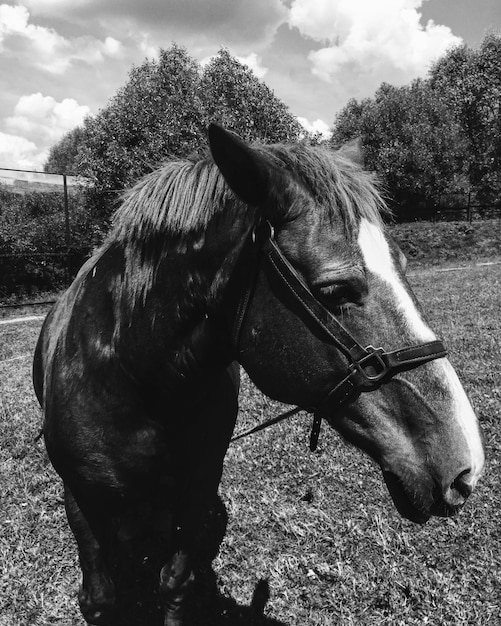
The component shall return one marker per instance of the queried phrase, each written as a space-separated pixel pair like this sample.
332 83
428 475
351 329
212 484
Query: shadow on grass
138 588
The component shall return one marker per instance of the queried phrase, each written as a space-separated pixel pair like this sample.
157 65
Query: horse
275 258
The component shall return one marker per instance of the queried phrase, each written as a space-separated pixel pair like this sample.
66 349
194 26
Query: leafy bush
34 254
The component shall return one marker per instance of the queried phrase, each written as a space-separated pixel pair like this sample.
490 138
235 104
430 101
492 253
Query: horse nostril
459 490
460 484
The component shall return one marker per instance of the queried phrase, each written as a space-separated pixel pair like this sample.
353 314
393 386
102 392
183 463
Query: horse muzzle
440 501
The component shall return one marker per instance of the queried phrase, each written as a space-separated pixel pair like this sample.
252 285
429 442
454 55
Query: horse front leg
97 592
200 465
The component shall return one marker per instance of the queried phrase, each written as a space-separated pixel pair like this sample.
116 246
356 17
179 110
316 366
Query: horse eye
339 294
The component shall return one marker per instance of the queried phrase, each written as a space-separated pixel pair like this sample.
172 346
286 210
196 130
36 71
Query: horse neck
180 329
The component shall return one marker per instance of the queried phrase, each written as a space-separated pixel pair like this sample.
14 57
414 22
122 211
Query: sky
61 60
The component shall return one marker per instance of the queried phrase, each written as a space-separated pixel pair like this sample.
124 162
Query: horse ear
354 151
245 170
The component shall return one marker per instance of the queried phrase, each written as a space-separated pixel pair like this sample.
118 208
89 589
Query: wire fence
31 250
451 207
20 181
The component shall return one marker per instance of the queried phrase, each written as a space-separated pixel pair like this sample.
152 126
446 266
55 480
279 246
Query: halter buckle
262 231
371 367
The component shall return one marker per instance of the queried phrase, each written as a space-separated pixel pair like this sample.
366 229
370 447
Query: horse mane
174 204
177 198
184 195
338 185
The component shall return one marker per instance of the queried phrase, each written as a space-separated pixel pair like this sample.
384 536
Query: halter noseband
367 368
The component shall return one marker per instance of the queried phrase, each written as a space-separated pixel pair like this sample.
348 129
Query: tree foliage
469 81
438 135
238 100
164 109
34 222
63 157
410 139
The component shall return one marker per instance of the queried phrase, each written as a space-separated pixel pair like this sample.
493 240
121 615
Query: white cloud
12 19
44 121
18 152
382 41
112 46
318 126
45 48
253 62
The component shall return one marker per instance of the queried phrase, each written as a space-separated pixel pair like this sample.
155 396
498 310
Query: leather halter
367 368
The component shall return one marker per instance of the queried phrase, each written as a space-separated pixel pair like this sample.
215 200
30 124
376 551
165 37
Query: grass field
312 539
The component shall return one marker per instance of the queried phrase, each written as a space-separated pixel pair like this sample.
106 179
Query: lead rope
315 430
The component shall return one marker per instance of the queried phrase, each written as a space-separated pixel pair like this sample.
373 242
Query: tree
63 157
470 82
157 113
438 135
409 138
164 110
238 100
349 121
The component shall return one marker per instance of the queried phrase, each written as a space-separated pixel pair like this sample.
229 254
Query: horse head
330 323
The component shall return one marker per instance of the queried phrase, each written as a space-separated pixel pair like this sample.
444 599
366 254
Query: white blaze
465 416
378 260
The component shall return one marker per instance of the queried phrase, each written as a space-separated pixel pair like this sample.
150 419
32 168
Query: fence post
67 228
